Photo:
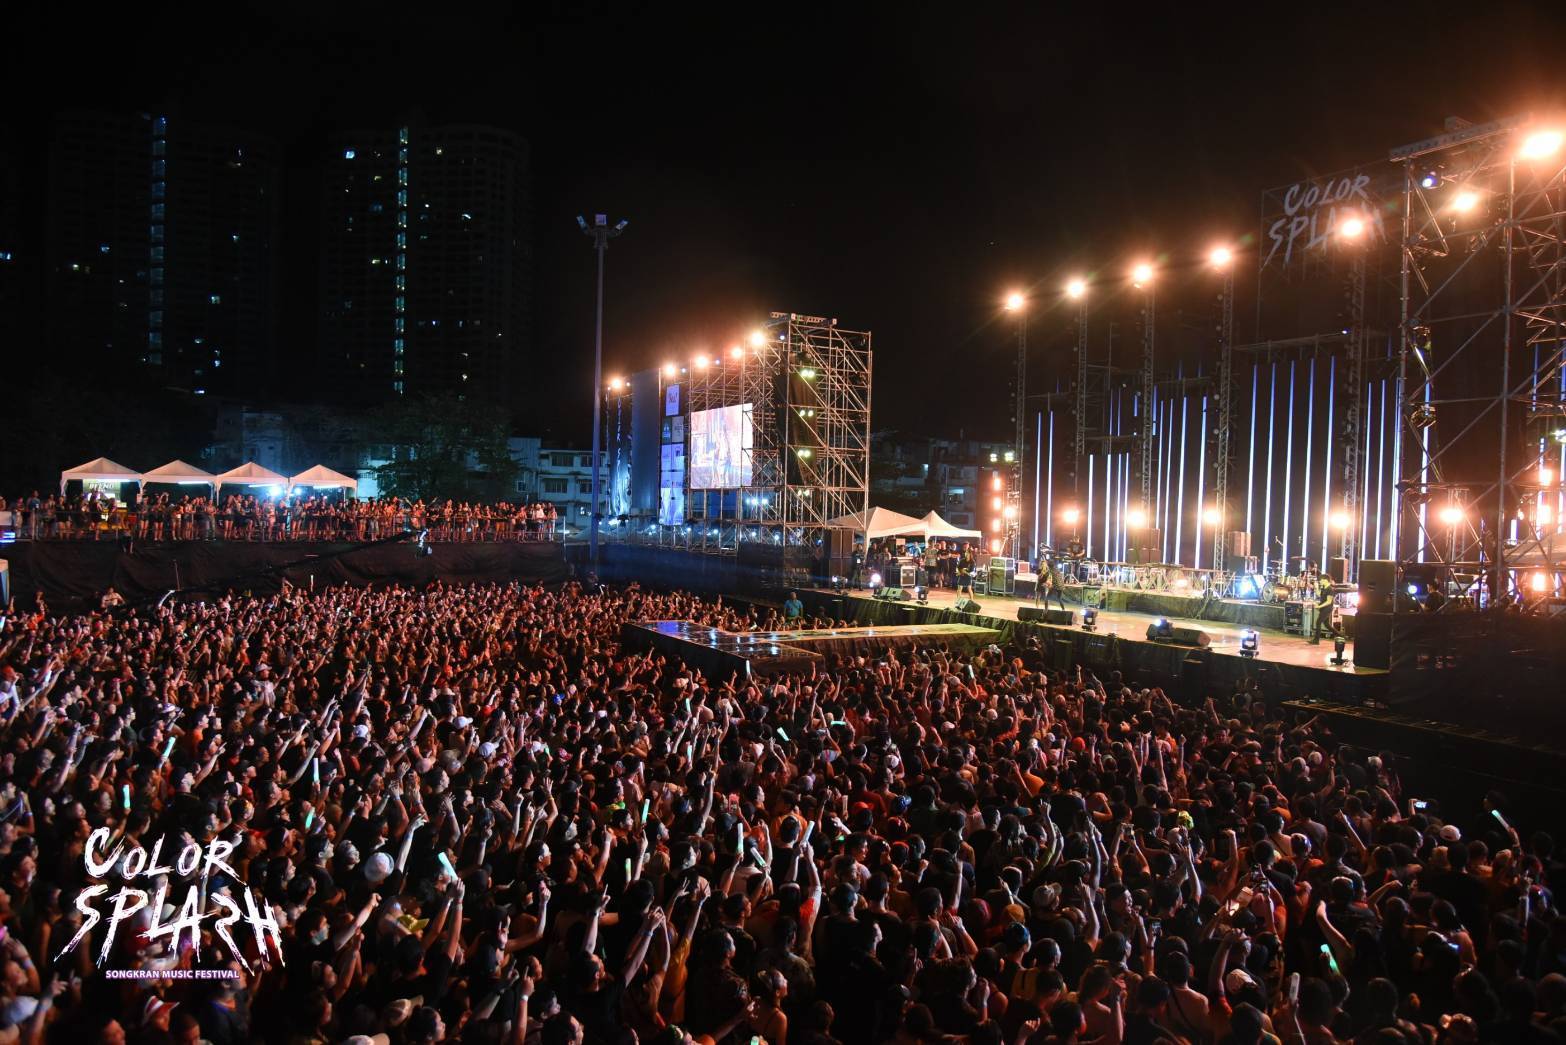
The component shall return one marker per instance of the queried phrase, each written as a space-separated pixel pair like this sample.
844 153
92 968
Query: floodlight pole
601 233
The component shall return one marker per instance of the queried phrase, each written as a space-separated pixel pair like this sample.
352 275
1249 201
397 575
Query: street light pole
601 233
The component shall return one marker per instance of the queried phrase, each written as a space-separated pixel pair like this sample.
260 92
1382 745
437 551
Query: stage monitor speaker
1372 633
1177 636
1377 581
896 594
1045 615
966 606
1092 595
1337 569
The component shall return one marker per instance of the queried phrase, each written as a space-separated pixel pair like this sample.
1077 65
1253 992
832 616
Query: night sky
897 167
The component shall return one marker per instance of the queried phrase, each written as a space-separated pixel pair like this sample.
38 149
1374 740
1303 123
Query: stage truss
1481 388
806 382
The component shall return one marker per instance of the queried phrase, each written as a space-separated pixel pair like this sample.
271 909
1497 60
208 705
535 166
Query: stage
1289 662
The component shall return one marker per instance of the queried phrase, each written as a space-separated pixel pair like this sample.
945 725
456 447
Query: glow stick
445 862
1331 961
315 771
168 748
309 819
628 869
646 805
782 734
125 796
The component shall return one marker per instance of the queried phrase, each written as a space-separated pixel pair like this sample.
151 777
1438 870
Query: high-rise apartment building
161 249
425 262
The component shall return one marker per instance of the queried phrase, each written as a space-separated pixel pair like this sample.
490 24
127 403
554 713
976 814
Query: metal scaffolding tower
1227 392
1354 413
1481 389
1146 408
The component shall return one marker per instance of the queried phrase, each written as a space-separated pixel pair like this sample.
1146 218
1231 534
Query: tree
445 446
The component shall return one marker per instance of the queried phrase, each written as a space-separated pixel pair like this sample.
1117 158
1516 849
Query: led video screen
720 448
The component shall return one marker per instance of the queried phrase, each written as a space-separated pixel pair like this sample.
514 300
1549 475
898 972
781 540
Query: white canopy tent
178 473
935 526
250 474
879 522
99 469
323 478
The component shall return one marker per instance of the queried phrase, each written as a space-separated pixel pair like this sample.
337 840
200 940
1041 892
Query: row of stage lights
757 340
1539 145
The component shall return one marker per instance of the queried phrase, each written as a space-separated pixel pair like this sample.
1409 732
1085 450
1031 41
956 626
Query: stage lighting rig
1089 619
1250 643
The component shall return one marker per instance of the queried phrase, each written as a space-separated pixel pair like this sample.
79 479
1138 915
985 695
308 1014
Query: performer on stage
1057 583
1323 608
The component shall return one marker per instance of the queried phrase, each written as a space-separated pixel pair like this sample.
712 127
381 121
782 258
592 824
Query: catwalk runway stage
1291 664
717 652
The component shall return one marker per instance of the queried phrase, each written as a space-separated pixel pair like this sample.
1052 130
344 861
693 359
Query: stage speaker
1193 677
1176 636
1092 595
842 543
1372 631
1238 542
1337 569
1045 615
1377 584
1063 656
966 606
897 594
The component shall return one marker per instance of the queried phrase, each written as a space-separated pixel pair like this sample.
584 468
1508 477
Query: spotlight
1546 477
1422 416
1142 274
1070 516
669 370
1250 643
615 384
1010 456
1212 517
921 593
1015 301
700 362
1136 518
1219 257
1430 180
875 581
1540 583
1160 630
757 338
1351 227
736 352
1465 201
1339 519
1089 619
1540 144
1076 289
1452 514
1338 645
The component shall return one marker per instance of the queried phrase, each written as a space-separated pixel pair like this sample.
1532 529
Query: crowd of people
245 517
478 816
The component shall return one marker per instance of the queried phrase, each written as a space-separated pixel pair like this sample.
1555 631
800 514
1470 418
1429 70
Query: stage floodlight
875 581
737 352
1089 619
1015 302
1160 630
615 384
1136 518
1338 519
669 370
1465 201
921 593
1540 145
1544 516
1070 516
1452 514
1540 583
1010 457
1212 516
1220 257
1076 289
1351 227
1250 643
758 337
1142 274
700 362
1430 180
1339 643
1546 477
1422 416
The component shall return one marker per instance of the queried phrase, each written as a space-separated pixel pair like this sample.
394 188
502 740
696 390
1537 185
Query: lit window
348 154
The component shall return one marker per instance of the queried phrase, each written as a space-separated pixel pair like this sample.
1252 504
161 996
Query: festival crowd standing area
242 517
470 814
